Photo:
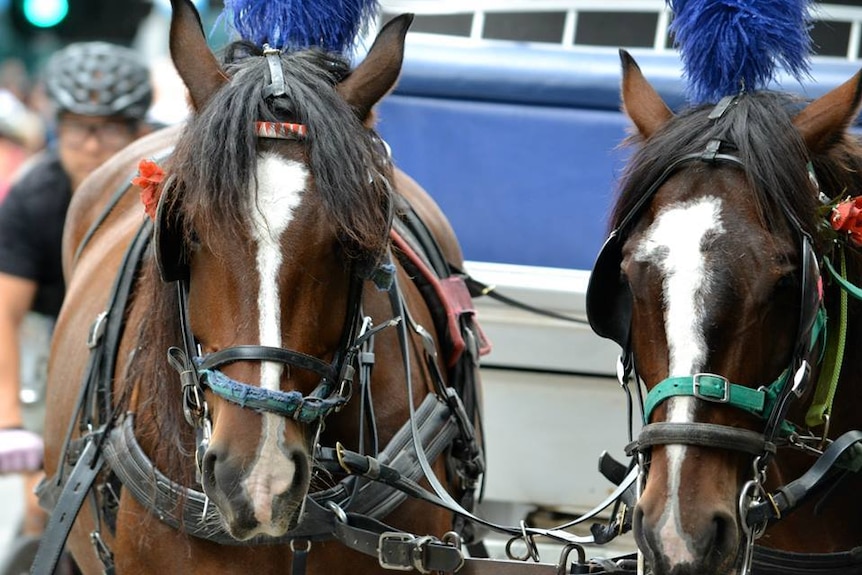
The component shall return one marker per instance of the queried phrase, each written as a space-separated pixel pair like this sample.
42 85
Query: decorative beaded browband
280 130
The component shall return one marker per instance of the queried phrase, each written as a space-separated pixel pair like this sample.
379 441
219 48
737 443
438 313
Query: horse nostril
725 537
642 531
208 465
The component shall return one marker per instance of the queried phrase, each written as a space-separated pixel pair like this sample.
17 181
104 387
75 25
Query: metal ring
747 497
532 552
452 538
564 557
339 512
307 545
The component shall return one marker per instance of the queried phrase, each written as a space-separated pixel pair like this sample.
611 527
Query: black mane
758 129
216 155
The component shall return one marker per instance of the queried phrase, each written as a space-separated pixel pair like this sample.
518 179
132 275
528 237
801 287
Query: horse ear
823 121
640 100
376 75
195 62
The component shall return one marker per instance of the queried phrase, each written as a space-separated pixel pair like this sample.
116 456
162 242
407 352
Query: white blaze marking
280 186
674 243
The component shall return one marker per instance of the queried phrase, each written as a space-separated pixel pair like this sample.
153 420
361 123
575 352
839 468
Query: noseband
199 372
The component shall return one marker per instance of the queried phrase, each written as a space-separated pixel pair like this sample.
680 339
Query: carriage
204 297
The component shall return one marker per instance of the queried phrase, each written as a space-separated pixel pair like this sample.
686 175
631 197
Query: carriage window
525 26
446 24
631 24
614 29
830 38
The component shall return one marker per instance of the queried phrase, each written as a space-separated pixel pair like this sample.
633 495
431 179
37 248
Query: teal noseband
717 389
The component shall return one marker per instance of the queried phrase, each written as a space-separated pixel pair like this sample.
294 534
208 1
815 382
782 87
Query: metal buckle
800 379
696 388
393 536
97 330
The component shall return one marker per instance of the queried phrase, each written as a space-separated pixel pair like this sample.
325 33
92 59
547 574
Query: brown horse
275 216
710 283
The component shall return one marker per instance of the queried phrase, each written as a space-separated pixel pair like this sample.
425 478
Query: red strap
453 295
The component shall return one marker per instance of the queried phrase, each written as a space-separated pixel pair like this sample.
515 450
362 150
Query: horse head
710 283
276 209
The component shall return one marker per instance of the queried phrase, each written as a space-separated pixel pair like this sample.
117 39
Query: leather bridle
609 310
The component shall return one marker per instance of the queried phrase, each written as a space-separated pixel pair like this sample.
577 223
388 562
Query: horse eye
786 281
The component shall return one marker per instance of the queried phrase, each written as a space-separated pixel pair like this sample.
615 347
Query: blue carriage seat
520 143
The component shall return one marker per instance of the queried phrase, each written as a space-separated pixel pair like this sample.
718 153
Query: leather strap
397 550
187 509
777 562
276 73
790 496
479 289
702 435
708 387
93 405
496 567
266 353
63 515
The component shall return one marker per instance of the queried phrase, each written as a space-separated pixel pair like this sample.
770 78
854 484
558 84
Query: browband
280 130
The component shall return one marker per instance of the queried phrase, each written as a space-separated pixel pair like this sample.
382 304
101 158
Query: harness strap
479 289
93 407
267 353
63 516
441 498
709 387
702 435
365 466
851 289
186 508
276 84
777 562
790 496
397 550
836 340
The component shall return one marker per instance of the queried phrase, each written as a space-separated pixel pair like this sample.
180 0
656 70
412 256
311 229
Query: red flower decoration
847 217
150 176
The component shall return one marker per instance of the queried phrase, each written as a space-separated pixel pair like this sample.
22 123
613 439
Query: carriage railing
835 18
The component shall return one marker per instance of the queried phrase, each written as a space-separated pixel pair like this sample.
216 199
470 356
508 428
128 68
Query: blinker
608 301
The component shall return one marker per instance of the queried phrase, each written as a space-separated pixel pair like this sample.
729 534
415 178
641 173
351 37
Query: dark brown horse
275 216
710 284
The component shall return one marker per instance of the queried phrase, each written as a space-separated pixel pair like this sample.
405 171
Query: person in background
101 93
21 135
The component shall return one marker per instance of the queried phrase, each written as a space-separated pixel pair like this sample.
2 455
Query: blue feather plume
731 45
332 25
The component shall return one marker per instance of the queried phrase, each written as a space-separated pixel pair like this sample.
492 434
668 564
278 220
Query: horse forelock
215 159
758 130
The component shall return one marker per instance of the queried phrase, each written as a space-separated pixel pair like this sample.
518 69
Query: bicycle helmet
99 79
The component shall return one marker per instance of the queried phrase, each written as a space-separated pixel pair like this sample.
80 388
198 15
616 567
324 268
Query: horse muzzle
256 500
